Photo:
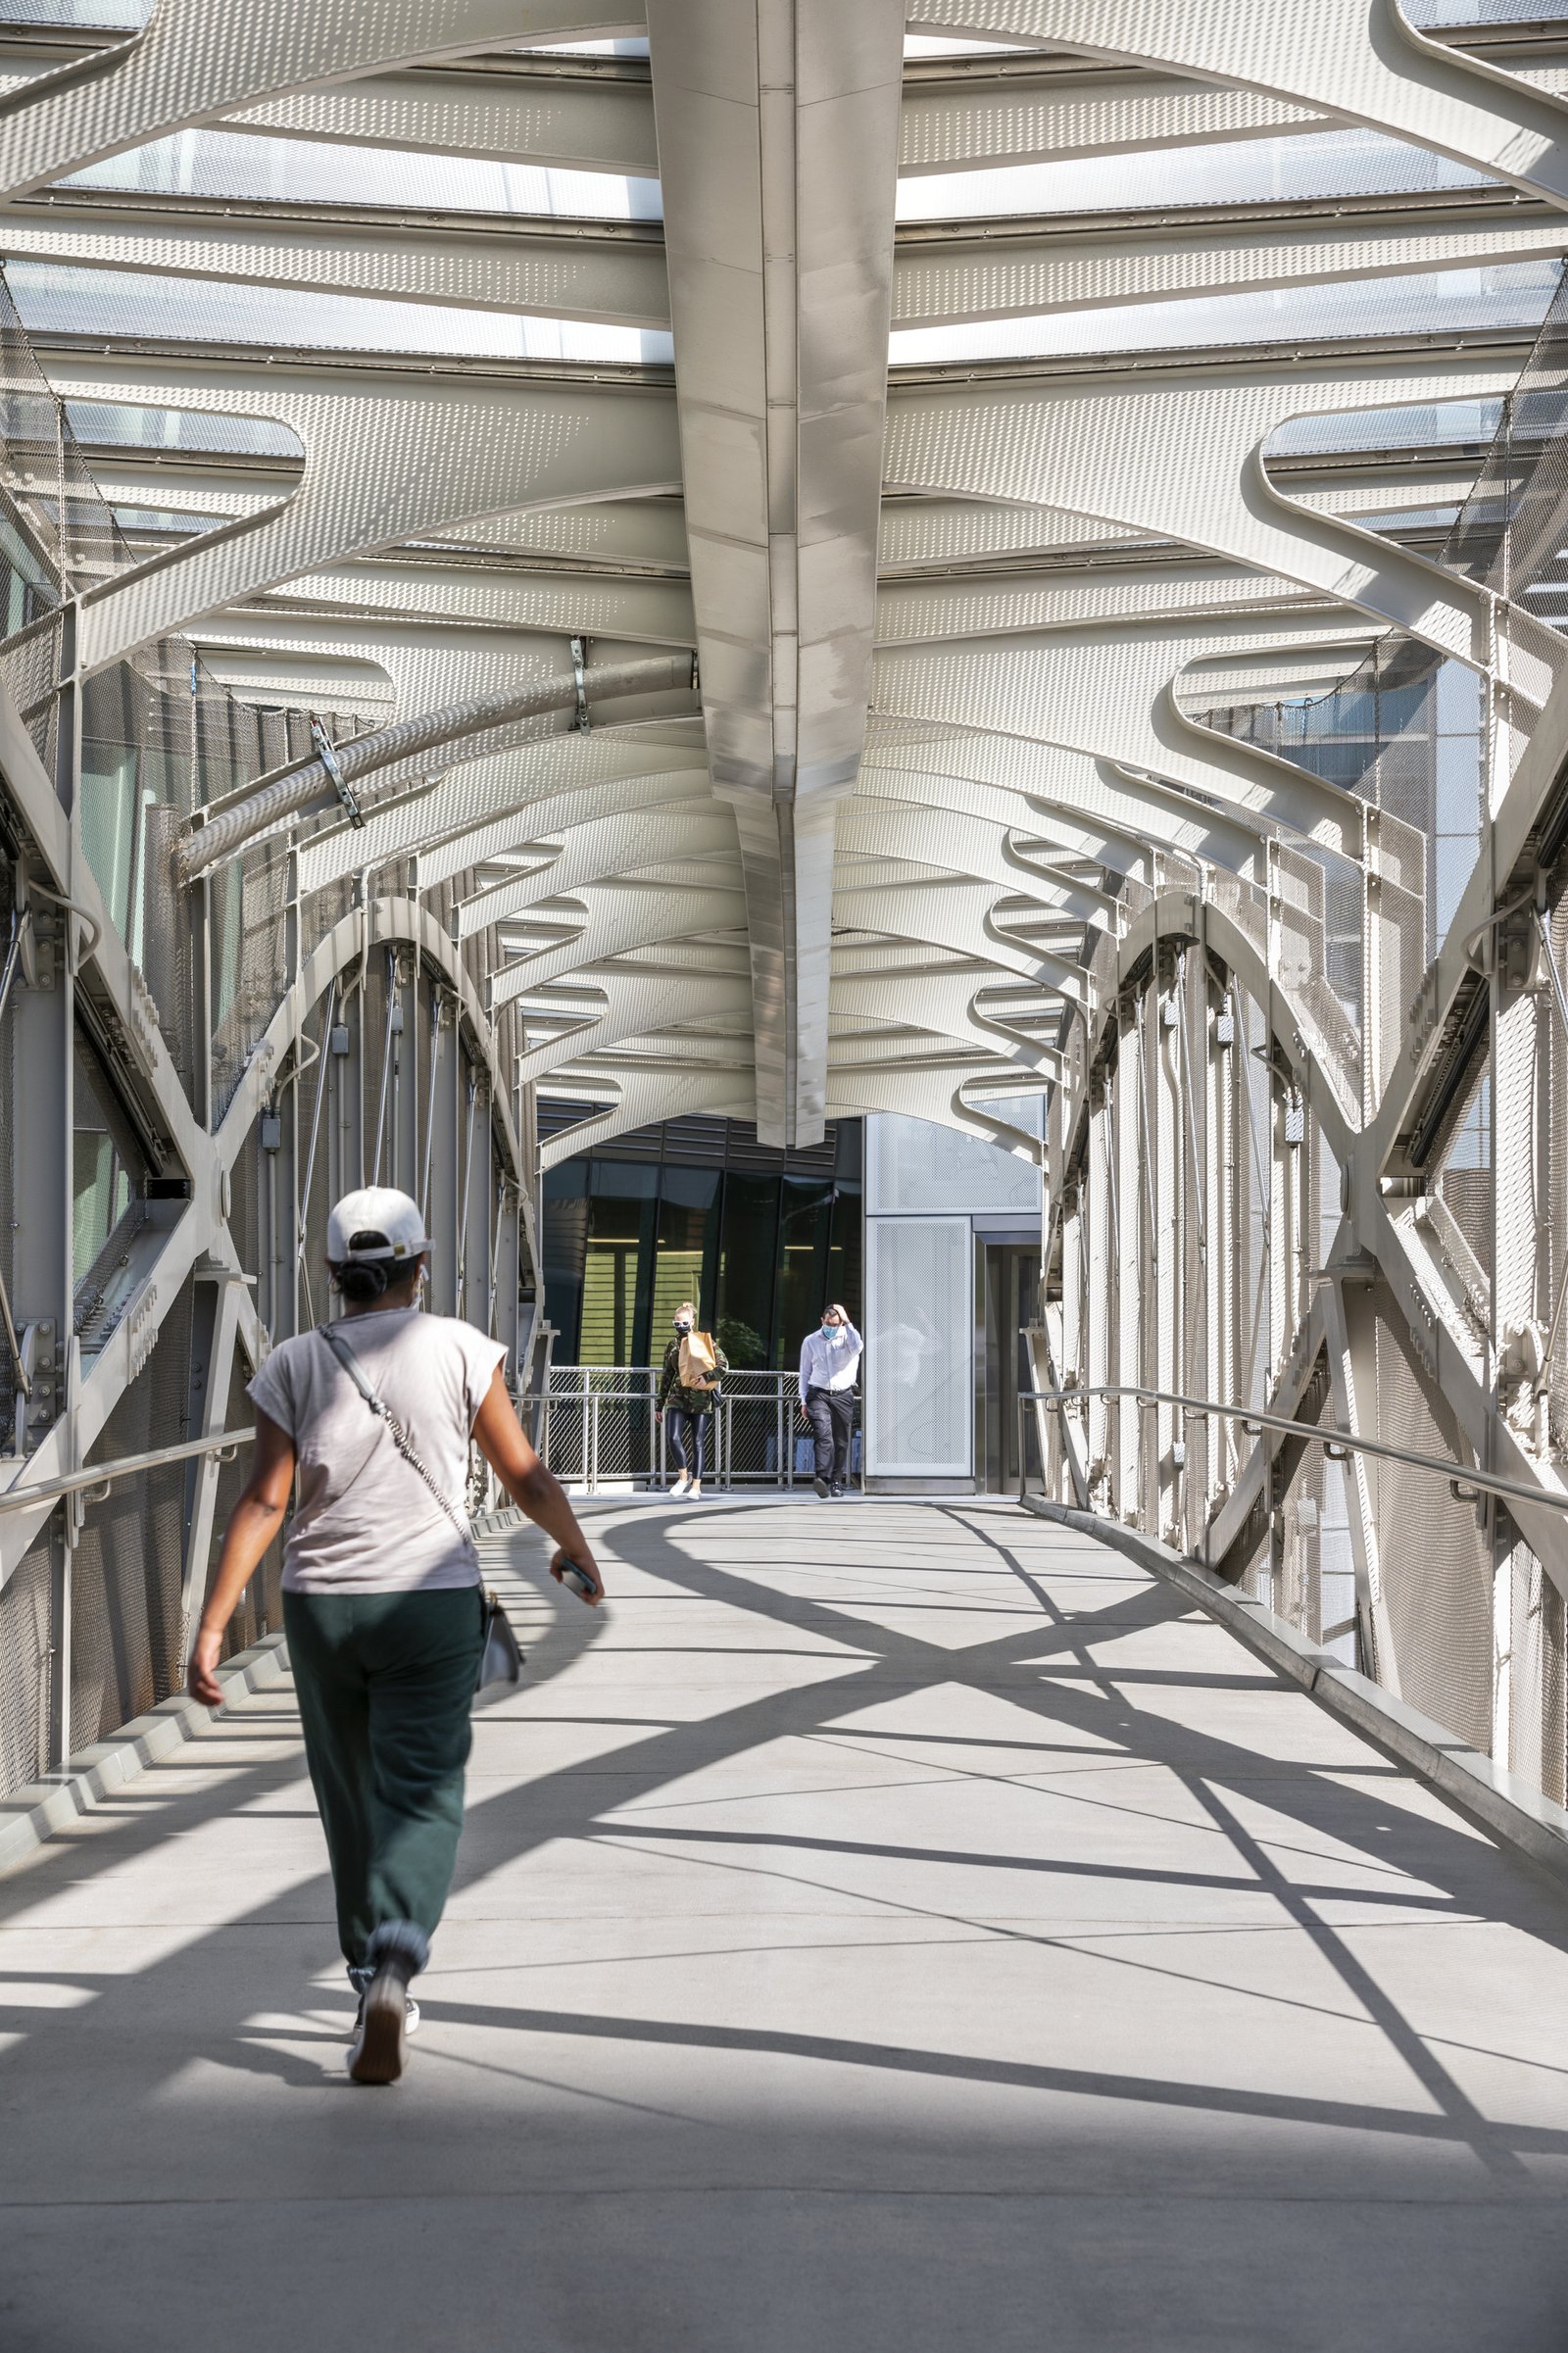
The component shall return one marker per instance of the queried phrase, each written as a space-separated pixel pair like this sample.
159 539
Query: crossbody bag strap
395 1430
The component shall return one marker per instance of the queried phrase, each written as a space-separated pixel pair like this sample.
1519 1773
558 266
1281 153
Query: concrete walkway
888 1929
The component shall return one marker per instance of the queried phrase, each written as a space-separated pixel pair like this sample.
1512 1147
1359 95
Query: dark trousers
385 1685
688 1430
831 1414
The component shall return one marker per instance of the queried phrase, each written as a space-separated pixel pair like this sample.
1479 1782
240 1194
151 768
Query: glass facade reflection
697 1208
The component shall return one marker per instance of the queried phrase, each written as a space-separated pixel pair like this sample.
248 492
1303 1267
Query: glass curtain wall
762 1247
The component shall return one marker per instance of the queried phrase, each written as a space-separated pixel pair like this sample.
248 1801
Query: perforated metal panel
1436 1560
126 1629
24 1641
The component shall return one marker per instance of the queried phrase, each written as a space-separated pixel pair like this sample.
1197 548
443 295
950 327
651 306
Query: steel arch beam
966 917
478 795
500 269
635 1002
661 1094
965 278
448 450
1014 811
197 60
1112 447
1358 60
421 665
611 846
522 825
1108 695
1068 110
944 1002
985 852
621 916
1460 1376
1120 819
595 125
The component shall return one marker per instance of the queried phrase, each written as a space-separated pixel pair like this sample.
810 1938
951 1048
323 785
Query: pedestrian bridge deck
888 1929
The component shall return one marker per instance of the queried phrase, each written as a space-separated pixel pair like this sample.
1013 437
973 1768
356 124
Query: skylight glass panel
1445 301
1415 424
101 302
938 44
113 16
1438 15
630 45
1316 163
251 166
106 423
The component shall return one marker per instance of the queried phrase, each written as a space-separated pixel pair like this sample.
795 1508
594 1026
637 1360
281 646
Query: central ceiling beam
778 130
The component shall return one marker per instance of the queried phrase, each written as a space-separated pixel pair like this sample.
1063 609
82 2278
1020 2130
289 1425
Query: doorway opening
1007 1283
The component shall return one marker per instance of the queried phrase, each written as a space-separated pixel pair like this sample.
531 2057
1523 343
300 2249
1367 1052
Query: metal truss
984 787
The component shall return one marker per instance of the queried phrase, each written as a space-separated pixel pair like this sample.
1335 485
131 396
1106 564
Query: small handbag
500 1659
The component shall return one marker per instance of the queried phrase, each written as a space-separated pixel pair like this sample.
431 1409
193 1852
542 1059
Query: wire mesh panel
621 1434
1462 1180
261 1605
1253 1180
8 1150
1551 1112
1319 958
29 667
1316 1585
25 1648
125 1625
1397 924
596 1426
1434 1557
757 1427
1537 1726
562 1435
250 961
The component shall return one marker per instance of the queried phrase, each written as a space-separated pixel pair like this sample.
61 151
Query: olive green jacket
673 1393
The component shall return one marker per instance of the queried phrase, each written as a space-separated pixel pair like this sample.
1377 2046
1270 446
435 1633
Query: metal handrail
770 1387
1459 1474
104 1474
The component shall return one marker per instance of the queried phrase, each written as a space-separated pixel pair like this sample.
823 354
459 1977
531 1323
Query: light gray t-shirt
364 1521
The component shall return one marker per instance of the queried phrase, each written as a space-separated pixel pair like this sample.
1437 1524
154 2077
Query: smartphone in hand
579 1581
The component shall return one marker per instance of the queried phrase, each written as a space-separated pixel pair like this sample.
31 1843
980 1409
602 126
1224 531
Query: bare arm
503 1442
257 1518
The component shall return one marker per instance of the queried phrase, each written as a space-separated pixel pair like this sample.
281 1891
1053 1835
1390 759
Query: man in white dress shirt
830 1358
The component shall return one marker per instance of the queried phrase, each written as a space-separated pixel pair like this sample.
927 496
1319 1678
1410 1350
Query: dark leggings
688 1429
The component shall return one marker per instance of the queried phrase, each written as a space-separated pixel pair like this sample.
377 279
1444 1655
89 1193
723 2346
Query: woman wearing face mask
830 1358
693 1363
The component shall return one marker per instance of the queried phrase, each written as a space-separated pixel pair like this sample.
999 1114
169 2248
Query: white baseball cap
377 1222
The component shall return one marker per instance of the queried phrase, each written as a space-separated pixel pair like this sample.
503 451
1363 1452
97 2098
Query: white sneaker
411 2022
681 1483
694 1491
375 2055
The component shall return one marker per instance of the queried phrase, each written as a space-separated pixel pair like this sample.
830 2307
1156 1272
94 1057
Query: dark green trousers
385 1685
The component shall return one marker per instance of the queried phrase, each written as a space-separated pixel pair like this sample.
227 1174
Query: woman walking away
692 1364
382 1603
